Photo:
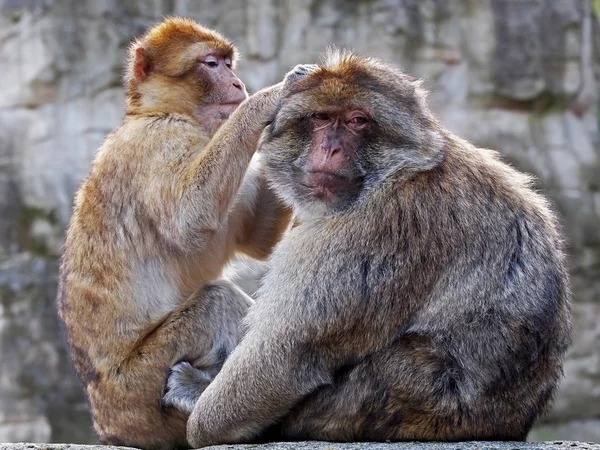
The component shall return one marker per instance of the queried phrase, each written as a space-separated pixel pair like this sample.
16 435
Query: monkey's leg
408 391
351 408
204 331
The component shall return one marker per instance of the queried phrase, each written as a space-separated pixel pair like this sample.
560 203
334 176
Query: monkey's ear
141 64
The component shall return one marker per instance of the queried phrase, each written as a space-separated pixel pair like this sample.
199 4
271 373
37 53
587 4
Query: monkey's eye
211 61
321 116
228 63
358 120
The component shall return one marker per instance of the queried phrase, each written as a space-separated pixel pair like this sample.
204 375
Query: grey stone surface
474 445
519 76
317 445
537 47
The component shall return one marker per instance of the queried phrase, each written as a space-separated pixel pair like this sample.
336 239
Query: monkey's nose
331 147
238 84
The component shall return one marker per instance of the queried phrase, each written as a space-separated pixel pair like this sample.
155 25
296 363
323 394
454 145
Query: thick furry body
446 318
429 303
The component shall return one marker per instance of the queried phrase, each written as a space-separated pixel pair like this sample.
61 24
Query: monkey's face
318 154
206 73
341 129
323 170
222 90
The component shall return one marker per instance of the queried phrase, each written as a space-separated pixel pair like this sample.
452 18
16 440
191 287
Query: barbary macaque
421 294
169 200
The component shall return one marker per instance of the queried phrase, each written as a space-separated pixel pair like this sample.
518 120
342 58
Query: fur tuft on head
346 63
183 30
338 59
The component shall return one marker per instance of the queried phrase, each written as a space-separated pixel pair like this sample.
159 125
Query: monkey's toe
185 383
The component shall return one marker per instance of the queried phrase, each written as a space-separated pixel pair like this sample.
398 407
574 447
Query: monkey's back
479 356
117 282
112 231
495 326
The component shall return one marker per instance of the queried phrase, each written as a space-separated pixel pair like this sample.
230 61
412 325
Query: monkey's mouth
328 185
321 178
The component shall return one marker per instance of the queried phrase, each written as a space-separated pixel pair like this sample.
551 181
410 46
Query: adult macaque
163 209
422 294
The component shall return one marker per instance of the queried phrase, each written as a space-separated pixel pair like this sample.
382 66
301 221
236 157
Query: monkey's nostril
333 150
237 84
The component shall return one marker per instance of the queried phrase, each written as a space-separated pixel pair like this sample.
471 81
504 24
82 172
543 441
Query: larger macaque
422 294
163 209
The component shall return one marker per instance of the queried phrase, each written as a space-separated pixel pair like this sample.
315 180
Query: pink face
331 165
227 90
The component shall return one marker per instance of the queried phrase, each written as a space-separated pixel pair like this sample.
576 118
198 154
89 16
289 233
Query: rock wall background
520 76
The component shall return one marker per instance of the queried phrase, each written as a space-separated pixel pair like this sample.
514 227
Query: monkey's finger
299 72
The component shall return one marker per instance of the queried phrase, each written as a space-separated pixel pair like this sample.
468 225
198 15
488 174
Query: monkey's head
342 129
181 66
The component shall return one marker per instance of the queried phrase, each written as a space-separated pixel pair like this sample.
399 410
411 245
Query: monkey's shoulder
145 145
172 124
147 134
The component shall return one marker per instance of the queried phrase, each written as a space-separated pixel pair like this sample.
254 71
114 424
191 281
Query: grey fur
184 386
433 305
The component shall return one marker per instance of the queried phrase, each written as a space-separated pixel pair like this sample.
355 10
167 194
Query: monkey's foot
185 383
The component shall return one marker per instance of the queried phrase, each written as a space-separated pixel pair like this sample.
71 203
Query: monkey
421 294
171 196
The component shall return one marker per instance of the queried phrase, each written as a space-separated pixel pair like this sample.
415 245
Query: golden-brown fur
164 208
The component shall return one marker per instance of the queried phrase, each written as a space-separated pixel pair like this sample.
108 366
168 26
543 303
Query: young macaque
169 200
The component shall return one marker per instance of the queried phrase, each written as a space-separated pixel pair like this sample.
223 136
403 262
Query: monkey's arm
213 178
259 383
260 217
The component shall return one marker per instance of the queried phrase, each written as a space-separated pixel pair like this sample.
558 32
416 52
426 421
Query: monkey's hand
298 73
264 103
185 383
258 109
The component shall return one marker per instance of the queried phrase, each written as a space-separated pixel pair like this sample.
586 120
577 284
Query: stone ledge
317 445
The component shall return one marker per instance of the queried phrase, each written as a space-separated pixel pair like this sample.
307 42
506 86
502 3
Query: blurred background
520 76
